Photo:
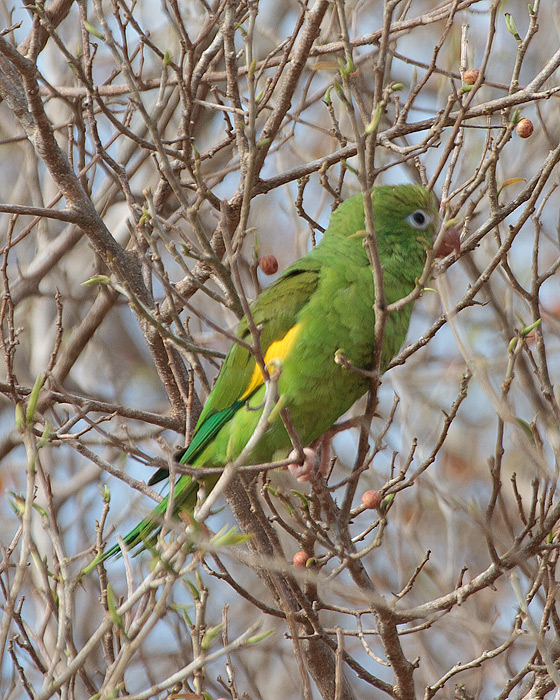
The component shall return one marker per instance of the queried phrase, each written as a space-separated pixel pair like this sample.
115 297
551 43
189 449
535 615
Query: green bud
302 497
19 417
339 91
92 30
346 68
43 440
376 118
17 503
252 67
33 399
228 538
255 639
42 512
112 605
525 332
386 503
512 29
96 279
193 589
210 635
105 492
526 428
241 29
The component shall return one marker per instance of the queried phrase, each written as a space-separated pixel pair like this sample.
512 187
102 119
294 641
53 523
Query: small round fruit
268 264
371 499
300 559
524 128
451 242
470 76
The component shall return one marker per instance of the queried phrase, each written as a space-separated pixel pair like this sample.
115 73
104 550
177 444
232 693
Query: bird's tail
144 535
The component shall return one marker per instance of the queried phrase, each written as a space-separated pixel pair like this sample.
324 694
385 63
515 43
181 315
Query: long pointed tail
146 532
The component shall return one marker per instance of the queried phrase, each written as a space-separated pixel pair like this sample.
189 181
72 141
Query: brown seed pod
300 559
524 128
268 264
470 76
371 499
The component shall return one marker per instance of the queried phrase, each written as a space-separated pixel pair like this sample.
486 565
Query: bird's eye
419 220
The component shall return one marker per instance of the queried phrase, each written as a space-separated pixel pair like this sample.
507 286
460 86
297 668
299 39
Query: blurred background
164 135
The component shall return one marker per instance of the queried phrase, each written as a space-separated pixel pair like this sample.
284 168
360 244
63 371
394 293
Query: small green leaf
43 440
525 332
287 507
182 610
210 635
33 399
193 589
302 497
345 68
19 418
386 503
241 29
112 605
376 118
339 90
93 30
526 429
256 638
510 181
512 29
228 538
17 503
42 512
252 67
512 344
105 492
96 279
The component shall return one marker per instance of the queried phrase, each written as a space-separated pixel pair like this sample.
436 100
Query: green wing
275 311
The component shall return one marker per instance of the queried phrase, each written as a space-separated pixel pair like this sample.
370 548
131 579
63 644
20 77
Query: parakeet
321 304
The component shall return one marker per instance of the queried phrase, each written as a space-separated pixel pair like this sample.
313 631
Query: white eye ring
419 219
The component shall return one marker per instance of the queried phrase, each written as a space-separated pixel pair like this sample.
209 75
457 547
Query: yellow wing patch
278 350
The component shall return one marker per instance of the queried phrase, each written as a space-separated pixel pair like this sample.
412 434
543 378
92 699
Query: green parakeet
321 304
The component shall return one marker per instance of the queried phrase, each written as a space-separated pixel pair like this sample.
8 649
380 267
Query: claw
303 471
